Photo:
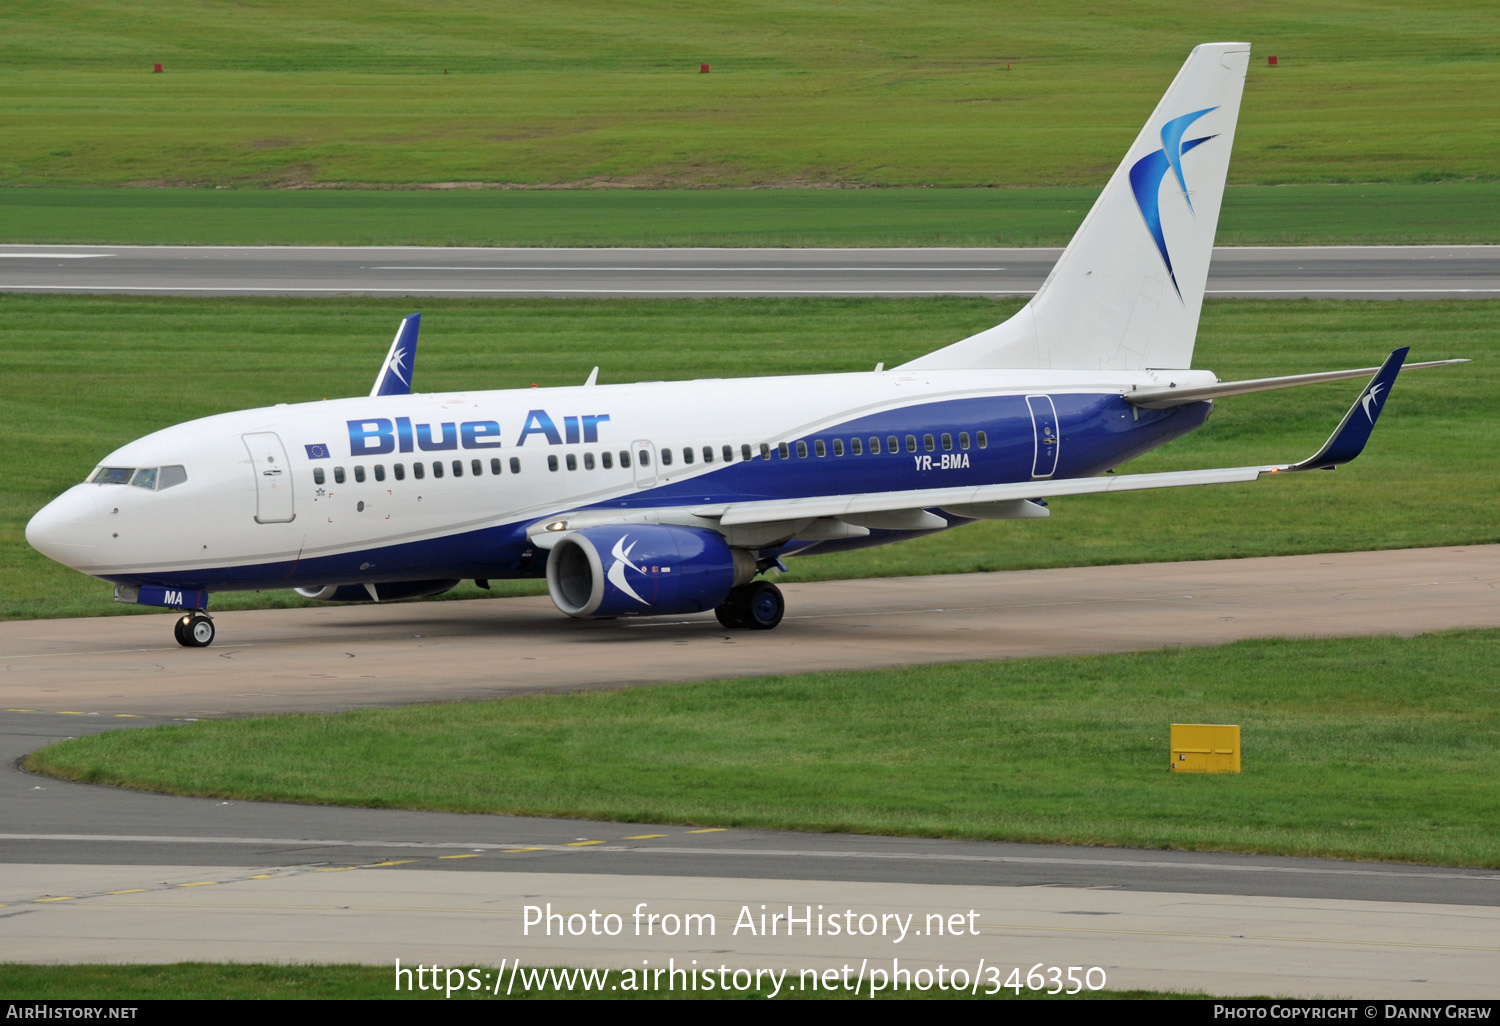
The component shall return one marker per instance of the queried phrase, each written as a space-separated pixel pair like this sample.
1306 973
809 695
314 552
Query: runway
1328 272
116 876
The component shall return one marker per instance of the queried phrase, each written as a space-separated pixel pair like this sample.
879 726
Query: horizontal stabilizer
1166 398
395 374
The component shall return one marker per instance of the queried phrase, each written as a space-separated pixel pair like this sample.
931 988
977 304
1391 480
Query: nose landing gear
194 630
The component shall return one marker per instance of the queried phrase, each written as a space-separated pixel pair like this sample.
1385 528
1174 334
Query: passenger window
515 464
551 462
984 442
478 468
708 454
729 454
437 468
607 459
783 450
458 468
399 470
380 471
359 473
838 447
963 439
911 443
855 447
666 457
765 451
338 475
745 451
947 442
588 461
495 465
644 457
419 470
892 444
874 446
928 443
572 461
687 454
821 448
625 458
318 475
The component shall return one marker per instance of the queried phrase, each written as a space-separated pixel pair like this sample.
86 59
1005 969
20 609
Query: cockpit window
113 475
150 478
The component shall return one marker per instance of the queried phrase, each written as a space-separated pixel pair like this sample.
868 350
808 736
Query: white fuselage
309 494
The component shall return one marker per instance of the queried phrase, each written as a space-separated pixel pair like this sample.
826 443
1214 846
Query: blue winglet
395 374
1348 440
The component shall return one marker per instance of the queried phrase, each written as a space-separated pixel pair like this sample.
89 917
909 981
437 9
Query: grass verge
1369 748
145 363
604 92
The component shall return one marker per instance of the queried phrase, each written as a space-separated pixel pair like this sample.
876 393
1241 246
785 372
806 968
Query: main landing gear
758 606
194 630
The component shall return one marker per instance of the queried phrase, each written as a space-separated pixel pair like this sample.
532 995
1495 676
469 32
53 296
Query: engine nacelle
386 591
643 570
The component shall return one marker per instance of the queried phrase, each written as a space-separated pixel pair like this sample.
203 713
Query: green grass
1450 212
87 374
1370 748
858 93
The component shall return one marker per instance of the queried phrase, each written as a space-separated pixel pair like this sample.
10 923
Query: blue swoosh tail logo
1147 173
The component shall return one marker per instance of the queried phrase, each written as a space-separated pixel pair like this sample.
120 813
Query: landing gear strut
194 630
758 606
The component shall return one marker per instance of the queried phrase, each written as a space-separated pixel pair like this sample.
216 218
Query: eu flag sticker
317 451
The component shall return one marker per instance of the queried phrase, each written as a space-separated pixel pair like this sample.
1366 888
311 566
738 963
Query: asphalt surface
93 873
1353 272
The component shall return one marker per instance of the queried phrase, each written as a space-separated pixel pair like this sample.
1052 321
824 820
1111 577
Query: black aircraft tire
199 631
731 613
763 606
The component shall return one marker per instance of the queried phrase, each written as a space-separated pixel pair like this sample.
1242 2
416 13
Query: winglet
1349 438
395 374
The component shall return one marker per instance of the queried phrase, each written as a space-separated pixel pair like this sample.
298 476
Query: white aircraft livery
675 497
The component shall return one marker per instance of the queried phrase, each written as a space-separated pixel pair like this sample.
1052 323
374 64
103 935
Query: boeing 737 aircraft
674 497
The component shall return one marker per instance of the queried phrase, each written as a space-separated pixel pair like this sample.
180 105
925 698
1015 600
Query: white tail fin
1126 293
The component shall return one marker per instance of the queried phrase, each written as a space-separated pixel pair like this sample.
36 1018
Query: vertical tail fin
1126 293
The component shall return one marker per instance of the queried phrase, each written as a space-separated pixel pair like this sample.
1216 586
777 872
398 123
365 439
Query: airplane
669 498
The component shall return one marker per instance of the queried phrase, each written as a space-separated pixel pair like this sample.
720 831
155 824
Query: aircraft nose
66 529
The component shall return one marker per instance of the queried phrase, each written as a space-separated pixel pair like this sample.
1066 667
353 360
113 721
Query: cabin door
1044 431
273 478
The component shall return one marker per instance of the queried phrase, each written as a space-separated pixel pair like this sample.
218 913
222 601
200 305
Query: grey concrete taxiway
1348 272
96 874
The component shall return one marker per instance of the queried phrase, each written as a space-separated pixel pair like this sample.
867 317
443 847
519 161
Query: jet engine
386 591
644 570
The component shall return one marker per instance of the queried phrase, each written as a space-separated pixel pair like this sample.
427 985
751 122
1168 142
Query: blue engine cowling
643 570
389 591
